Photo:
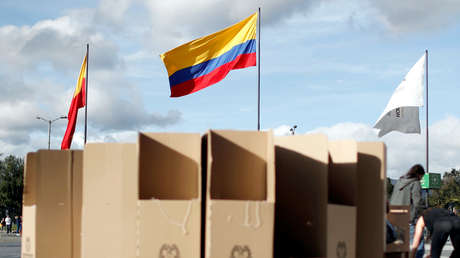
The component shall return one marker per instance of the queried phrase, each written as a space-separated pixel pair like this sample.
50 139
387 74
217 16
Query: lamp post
49 125
292 130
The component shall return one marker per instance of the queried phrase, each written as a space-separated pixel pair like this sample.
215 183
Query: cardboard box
29 206
399 217
371 202
342 195
240 194
301 196
169 206
109 213
341 231
51 205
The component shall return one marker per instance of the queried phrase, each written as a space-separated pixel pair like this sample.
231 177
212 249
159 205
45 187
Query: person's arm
418 234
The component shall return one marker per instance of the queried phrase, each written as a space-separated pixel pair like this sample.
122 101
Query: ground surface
10 247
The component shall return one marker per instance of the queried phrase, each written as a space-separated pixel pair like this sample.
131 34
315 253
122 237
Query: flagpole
258 76
426 121
86 90
426 83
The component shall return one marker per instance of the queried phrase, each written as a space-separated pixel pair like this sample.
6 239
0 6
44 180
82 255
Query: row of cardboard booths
221 194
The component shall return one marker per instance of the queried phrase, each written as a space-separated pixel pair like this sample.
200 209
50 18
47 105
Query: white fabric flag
402 111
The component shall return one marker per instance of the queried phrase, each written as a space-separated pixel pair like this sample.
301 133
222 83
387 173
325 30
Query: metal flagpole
258 77
426 82
86 90
427 143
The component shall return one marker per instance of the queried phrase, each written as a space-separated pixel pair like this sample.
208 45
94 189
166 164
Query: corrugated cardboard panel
77 192
240 194
169 166
169 209
341 231
239 163
240 228
371 199
53 216
29 207
169 227
110 181
301 195
342 178
342 192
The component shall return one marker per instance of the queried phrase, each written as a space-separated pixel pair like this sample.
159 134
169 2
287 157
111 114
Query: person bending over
440 225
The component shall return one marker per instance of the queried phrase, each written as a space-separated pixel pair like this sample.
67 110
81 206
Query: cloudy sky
326 66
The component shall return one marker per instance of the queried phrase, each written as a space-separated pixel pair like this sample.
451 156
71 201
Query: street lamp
49 125
292 130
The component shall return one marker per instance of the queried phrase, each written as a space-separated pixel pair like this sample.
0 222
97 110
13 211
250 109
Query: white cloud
181 21
416 15
404 150
40 63
282 130
38 73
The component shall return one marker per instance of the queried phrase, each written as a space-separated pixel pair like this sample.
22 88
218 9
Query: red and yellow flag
78 101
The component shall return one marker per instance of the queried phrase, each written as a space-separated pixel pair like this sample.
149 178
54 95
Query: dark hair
415 171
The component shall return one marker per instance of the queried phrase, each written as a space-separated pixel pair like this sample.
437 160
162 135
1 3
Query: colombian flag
78 101
205 61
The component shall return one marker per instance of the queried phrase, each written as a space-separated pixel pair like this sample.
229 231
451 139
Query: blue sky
326 66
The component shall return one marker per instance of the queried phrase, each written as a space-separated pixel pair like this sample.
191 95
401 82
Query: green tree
449 193
11 185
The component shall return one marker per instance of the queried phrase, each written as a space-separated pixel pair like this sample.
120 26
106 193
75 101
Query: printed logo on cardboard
341 249
169 251
27 245
239 251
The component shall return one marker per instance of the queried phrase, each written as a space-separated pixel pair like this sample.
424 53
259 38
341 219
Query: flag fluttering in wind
78 101
402 111
205 61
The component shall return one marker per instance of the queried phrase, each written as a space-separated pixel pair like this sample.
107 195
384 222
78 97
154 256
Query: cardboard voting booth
144 199
371 193
301 195
110 194
226 194
240 194
169 206
342 195
52 204
334 207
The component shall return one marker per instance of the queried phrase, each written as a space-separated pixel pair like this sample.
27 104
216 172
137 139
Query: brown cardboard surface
169 166
52 204
29 207
341 231
53 214
77 194
342 195
240 194
399 217
54 201
301 195
371 210
238 228
169 227
342 178
169 209
110 183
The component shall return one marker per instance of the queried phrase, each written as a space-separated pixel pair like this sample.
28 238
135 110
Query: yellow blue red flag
205 61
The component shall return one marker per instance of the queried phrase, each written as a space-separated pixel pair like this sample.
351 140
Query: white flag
402 111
